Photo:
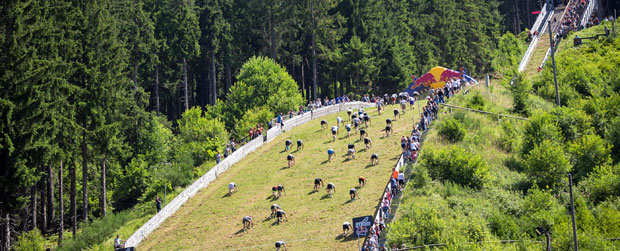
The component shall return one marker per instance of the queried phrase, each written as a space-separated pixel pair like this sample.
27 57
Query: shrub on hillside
509 139
418 225
508 53
419 177
520 90
251 118
457 165
97 231
29 241
613 138
200 135
131 182
547 165
586 153
539 127
154 141
476 101
603 183
452 130
573 123
539 208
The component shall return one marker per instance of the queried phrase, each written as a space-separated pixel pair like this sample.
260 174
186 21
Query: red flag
535 12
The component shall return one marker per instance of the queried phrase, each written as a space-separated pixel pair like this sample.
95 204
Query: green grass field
211 220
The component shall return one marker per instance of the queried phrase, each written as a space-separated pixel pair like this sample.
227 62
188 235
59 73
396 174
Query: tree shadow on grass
326 196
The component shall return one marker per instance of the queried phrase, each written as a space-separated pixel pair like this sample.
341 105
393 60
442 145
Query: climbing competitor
353 193
388 130
330 154
274 191
374 159
346 227
367 119
368 143
279 214
403 105
348 127
280 244
323 124
362 181
274 209
287 145
396 113
388 121
363 133
291 160
338 121
318 183
351 151
247 222
349 111
300 144
281 191
335 132
232 187
331 188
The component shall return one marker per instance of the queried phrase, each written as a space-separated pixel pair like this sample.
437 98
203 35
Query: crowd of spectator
410 146
570 20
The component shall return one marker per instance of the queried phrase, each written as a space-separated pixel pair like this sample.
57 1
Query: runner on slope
318 183
291 160
362 181
247 222
331 188
374 159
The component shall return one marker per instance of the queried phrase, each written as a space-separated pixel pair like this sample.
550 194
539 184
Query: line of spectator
410 147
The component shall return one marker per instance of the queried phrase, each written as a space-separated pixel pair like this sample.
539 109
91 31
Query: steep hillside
212 220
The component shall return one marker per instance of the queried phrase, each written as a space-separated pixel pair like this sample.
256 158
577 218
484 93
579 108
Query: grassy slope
599 29
537 56
531 70
212 220
455 204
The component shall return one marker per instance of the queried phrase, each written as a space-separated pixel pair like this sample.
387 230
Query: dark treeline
91 89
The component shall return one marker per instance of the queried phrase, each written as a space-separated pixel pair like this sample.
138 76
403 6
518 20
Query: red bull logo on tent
435 78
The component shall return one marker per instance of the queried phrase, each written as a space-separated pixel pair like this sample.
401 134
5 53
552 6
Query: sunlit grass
211 220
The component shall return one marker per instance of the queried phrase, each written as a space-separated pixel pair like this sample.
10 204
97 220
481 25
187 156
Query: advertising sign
361 225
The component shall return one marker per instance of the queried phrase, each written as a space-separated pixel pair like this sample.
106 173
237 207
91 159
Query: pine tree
24 98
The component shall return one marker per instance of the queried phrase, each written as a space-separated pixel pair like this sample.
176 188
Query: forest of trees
97 96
